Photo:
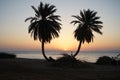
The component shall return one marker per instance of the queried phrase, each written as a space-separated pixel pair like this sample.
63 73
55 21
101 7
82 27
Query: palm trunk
78 49
43 52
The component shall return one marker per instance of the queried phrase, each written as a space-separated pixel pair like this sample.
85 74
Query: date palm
44 25
87 23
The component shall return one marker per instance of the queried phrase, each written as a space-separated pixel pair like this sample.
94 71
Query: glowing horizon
14 31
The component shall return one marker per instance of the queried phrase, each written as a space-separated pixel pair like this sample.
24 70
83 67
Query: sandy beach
34 69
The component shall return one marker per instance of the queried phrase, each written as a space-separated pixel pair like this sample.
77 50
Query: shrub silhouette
106 60
69 61
6 55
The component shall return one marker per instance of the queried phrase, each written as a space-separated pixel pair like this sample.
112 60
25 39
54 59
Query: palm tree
44 25
87 23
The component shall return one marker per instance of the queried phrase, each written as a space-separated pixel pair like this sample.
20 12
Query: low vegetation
69 61
6 55
106 60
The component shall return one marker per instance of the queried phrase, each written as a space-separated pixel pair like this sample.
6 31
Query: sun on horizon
14 31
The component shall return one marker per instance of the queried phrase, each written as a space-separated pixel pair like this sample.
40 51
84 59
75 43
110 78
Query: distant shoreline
91 51
90 57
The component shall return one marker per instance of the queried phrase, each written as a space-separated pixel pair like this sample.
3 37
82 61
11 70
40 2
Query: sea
89 56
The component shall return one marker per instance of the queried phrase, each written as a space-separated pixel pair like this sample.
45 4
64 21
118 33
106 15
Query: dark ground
28 69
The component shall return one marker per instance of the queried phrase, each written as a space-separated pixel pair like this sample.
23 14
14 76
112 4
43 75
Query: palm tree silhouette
87 23
44 26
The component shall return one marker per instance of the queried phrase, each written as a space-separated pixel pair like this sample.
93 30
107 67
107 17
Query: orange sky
14 31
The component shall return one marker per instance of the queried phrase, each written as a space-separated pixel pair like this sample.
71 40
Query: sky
14 31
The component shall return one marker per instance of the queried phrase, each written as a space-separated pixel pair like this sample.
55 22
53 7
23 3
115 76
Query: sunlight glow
14 31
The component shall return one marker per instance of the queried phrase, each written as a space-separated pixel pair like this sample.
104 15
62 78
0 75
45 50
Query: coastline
85 56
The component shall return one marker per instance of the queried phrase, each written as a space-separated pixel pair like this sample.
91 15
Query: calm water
87 56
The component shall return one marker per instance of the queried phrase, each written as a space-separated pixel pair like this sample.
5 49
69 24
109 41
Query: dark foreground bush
6 55
118 62
106 60
69 61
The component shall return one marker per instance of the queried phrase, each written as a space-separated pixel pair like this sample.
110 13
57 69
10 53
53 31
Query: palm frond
97 22
82 15
37 13
40 8
97 26
97 30
32 26
35 34
54 25
89 36
77 17
33 19
28 18
75 22
54 17
51 7
95 18
93 14
53 11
